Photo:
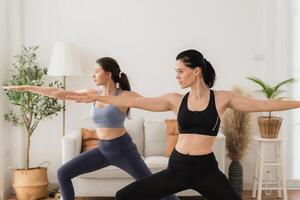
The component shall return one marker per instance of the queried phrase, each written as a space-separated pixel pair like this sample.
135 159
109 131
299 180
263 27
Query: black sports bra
205 122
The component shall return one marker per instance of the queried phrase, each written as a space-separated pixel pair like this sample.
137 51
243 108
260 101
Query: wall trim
292 184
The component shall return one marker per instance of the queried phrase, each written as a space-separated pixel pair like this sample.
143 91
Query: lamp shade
64 61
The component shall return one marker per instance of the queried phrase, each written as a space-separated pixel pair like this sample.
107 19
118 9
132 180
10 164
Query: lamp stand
64 111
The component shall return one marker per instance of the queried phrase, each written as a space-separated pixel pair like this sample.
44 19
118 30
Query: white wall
4 135
145 37
11 41
4 104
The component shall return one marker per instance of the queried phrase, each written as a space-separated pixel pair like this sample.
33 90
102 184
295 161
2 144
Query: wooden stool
280 181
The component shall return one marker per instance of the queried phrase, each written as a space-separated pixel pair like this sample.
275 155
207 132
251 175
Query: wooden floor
292 195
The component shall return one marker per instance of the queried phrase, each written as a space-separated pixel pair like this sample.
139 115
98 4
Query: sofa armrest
71 145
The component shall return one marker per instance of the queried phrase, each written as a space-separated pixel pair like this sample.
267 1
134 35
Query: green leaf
270 92
277 93
259 82
288 81
27 71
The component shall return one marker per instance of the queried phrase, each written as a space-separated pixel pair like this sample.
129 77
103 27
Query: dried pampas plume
237 129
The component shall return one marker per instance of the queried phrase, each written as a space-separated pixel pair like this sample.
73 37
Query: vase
236 176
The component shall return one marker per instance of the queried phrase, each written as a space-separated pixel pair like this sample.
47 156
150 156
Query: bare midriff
109 133
195 144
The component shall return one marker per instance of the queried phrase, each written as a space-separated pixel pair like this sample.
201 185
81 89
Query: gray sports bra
109 116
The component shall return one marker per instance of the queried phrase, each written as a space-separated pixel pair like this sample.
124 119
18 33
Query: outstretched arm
130 99
244 104
49 91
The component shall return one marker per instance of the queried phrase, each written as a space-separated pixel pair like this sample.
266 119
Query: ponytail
209 74
123 82
124 85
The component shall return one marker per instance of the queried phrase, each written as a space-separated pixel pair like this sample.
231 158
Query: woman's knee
62 173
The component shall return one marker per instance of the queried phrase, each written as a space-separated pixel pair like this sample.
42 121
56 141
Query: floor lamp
64 62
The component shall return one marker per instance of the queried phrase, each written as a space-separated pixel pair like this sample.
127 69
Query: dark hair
111 65
192 58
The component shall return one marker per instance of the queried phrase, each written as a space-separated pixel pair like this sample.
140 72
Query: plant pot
269 127
235 176
31 183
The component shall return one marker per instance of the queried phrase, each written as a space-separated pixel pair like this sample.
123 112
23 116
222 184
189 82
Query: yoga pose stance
192 164
115 144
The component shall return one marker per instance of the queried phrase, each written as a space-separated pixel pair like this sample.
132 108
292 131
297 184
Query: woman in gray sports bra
115 144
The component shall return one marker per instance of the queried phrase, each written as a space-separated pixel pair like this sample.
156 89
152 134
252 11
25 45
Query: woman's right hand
19 88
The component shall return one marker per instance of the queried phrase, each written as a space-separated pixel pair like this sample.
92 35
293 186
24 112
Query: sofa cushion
89 139
155 138
156 163
107 172
172 135
171 143
135 129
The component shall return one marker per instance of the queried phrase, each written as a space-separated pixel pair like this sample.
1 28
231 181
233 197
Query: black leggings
184 172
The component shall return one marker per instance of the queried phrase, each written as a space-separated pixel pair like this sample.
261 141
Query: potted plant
30 183
269 125
236 127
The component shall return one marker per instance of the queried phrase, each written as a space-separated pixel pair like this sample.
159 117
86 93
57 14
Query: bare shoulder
224 94
224 97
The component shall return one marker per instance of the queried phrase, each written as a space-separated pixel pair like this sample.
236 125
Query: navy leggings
199 173
120 152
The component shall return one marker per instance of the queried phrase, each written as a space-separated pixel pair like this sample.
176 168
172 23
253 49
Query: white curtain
293 49
3 68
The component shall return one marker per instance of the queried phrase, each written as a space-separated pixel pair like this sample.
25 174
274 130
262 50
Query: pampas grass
236 127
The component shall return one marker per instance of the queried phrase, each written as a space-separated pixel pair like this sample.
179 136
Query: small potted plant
269 125
30 183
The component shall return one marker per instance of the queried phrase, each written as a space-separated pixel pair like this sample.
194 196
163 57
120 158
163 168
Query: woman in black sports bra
192 164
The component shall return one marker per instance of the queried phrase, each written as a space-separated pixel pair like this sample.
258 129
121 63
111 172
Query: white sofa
150 138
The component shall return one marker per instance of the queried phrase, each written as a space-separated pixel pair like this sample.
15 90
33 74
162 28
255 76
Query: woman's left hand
82 98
